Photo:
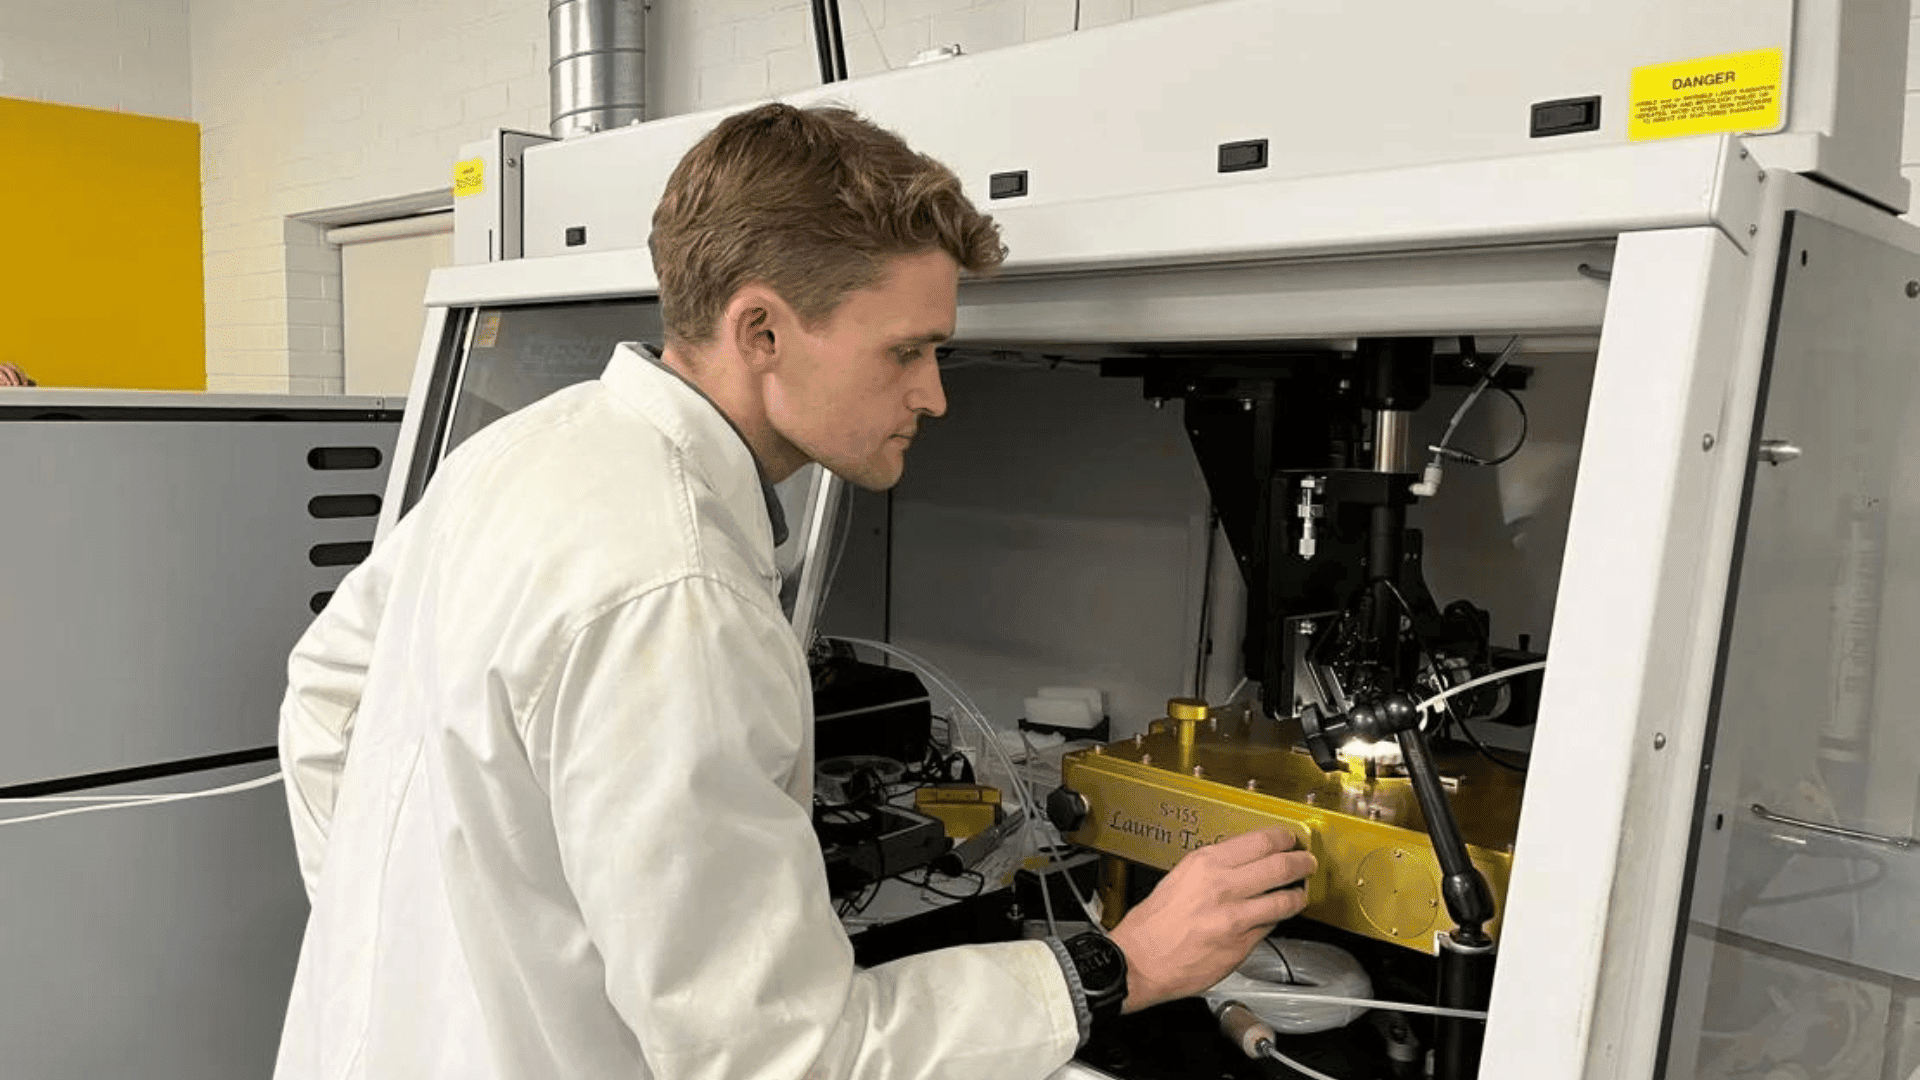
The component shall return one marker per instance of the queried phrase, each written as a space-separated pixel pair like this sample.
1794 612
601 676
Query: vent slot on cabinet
351 553
343 506
332 458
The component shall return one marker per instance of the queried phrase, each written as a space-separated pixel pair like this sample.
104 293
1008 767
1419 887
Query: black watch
1102 968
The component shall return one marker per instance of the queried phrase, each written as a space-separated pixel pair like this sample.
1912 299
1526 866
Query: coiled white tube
1263 979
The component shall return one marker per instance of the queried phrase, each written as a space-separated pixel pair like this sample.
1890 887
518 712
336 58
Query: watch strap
1082 1010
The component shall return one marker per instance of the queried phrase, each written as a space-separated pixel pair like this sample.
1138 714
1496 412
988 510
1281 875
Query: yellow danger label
469 177
1737 92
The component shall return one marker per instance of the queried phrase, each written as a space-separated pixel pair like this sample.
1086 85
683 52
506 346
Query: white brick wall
313 106
125 55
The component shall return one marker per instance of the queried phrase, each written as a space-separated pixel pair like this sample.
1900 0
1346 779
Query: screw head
1253 785
1198 771
1146 759
1753 230
1913 289
1707 441
1659 741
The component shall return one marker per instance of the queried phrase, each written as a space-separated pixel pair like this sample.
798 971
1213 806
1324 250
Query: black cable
1485 752
1439 684
926 883
1524 425
1203 649
1076 14
1457 454
821 44
839 42
1292 980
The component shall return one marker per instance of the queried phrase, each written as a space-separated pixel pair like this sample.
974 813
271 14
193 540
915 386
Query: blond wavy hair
811 202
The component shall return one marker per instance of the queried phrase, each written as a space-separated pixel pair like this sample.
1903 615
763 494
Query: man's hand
1208 913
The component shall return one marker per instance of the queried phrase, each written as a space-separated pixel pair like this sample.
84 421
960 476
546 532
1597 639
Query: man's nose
927 396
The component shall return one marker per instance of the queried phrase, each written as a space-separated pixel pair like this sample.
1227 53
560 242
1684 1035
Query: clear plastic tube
1497 676
972 712
132 802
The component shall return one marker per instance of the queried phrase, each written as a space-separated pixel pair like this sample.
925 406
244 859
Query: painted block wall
121 55
319 105
308 108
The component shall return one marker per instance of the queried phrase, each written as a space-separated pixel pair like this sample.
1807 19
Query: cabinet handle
1902 842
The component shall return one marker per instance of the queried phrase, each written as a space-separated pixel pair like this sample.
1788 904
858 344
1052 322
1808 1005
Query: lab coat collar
635 373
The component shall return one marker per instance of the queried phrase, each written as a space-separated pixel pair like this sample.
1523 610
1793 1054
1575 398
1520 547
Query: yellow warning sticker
1736 92
489 331
469 177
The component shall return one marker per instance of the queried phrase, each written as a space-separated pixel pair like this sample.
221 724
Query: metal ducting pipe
599 70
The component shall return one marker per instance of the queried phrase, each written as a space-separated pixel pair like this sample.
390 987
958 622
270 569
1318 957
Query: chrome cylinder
598 74
1393 450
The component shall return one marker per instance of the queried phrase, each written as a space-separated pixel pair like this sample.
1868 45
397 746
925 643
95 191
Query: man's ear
755 322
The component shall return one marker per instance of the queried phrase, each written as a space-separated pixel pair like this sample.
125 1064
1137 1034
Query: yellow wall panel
101 269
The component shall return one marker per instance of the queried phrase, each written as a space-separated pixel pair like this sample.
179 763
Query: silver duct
599 71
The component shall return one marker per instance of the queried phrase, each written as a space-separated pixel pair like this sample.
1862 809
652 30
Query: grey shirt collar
776 513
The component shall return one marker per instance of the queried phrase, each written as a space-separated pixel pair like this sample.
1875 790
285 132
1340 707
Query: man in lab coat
549 750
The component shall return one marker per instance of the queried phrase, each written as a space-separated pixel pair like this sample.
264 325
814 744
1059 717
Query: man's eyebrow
931 337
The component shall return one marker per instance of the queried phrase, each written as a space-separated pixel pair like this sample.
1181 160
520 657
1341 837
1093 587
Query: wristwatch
1102 968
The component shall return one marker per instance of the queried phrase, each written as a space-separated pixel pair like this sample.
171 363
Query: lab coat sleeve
666 736
325 676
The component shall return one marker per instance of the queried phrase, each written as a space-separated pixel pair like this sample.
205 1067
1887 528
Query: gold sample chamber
1197 778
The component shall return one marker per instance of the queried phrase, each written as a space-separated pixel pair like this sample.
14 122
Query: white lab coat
549 756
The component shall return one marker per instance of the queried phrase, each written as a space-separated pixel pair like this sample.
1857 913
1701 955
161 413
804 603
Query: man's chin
871 476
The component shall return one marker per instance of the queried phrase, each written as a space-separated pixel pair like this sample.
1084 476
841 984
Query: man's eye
908 356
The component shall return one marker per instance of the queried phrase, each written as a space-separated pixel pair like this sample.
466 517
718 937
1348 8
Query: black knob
1320 732
1397 715
1067 809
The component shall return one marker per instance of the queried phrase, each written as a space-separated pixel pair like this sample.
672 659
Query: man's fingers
1253 846
1264 911
1280 869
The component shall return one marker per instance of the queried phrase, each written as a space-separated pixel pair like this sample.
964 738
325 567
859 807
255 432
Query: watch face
1102 966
